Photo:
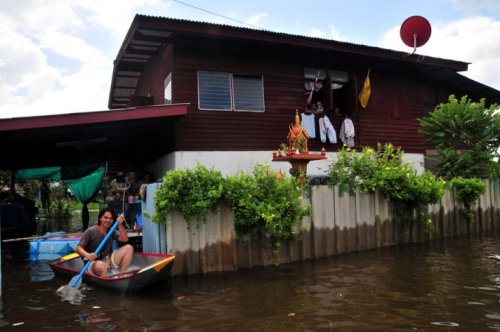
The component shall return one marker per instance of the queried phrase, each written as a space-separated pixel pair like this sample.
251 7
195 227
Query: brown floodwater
441 286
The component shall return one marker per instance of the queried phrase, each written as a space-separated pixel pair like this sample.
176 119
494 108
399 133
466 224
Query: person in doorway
107 259
319 108
143 184
145 179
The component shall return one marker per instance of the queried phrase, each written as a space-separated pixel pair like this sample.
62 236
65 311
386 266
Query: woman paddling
107 259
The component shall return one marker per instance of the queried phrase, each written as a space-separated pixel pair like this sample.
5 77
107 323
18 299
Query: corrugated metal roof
278 34
148 34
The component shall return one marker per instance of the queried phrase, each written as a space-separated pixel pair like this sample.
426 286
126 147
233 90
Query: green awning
45 173
83 180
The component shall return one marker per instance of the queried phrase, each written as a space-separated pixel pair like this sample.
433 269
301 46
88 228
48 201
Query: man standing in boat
107 259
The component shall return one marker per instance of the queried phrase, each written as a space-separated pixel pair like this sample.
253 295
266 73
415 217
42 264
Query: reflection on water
40 271
451 285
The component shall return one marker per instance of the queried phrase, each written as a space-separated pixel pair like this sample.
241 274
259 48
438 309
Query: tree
4 178
466 135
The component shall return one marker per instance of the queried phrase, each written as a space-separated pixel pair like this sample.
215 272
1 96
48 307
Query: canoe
145 269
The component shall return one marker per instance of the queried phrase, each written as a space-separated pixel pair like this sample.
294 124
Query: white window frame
167 89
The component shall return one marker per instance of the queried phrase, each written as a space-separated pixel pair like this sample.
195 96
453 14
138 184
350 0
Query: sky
56 56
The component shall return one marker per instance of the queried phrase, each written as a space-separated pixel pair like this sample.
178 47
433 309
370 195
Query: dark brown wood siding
396 101
391 113
229 130
151 82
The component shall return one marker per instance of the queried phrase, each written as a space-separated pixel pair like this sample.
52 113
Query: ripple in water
70 294
36 308
447 324
476 303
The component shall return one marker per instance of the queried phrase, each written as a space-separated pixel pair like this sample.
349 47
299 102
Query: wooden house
184 92
244 85
187 92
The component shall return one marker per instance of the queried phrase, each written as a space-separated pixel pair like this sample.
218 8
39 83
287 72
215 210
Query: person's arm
82 252
123 237
82 245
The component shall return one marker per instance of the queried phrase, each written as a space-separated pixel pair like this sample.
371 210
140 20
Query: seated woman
107 258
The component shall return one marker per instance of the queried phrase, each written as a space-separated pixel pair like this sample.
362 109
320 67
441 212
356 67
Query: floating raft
46 249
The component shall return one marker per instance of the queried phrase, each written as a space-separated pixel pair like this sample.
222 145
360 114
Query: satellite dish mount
415 32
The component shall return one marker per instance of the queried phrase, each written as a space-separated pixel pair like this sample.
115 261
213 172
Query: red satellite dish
415 31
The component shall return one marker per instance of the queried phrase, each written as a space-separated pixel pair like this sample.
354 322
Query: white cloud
115 15
255 19
317 33
335 34
83 91
332 33
35 17
475 5
18 56
40 34
72 47
472 39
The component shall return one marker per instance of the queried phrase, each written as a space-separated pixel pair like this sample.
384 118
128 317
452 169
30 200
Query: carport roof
135 135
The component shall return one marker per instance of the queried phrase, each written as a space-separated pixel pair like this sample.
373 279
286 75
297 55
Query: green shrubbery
261 203
409 192
466 135
192 191
468 191
264 204
384 170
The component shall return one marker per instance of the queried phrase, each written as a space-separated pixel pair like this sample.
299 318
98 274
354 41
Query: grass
74 205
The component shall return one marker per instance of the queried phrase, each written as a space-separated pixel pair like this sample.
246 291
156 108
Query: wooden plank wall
397 96
222 130
153 77
341 223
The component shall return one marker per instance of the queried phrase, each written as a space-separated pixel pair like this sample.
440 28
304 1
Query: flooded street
441 286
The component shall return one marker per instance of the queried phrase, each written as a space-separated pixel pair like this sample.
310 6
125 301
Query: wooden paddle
76 281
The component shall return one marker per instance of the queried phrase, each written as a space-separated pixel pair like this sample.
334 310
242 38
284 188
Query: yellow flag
365 93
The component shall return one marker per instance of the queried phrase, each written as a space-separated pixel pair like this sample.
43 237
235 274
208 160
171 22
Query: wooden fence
340 223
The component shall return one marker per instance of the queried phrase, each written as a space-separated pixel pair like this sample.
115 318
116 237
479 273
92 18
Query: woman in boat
107 258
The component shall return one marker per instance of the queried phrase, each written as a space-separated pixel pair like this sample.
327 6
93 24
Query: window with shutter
226 92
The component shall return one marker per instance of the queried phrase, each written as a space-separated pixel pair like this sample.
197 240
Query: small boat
145 269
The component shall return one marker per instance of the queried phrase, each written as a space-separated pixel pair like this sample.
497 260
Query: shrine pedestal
299 163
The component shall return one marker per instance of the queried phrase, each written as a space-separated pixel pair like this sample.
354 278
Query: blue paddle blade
75 282
70 291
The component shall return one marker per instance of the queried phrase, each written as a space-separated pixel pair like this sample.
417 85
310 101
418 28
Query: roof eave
69 119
